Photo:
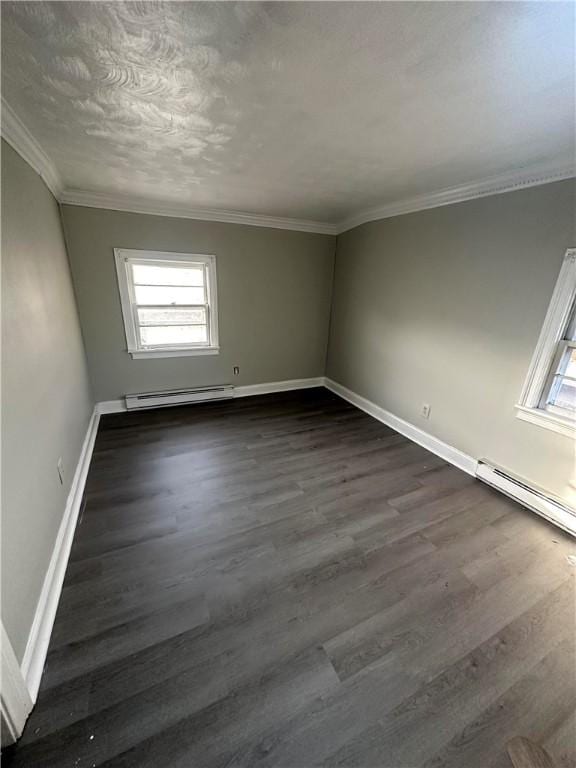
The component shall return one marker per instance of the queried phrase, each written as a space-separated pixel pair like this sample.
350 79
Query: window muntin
559 394
168 301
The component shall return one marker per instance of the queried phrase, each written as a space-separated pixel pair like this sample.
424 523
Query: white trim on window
174 352
547 419
530 405
124 258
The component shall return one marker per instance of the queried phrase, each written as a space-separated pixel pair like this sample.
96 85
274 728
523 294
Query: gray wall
445 307
274 292
441 306
46 398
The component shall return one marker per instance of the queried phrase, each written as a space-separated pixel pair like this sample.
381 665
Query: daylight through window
168 301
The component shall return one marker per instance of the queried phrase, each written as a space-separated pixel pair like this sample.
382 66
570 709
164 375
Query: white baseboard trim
39 637
14 697
37 646
536 499
447 452
118 406
554 510
278 386
110 406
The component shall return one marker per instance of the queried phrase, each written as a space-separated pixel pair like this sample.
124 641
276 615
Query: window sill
138 354
552 421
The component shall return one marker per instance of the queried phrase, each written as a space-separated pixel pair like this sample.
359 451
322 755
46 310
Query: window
549 394
560 390
168 303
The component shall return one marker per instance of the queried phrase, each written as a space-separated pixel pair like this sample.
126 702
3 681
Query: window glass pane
167 335
169 316
145 274
563 394
175 295
570 367
571 328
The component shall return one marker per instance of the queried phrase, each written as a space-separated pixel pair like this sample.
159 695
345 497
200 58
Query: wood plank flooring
284 582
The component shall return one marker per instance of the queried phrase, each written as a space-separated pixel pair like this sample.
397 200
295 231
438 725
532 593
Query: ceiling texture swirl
313 111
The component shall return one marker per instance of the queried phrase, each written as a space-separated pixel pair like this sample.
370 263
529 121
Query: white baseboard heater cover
552 509
178 397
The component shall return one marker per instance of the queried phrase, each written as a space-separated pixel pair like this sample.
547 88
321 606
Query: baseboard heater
178 397
554 510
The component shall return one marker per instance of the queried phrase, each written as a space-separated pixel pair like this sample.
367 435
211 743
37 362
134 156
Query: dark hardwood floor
282 581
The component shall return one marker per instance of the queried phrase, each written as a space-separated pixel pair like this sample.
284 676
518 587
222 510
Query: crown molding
495 185
22 141
154 208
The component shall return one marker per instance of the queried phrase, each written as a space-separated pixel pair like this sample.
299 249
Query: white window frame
531 406
123 258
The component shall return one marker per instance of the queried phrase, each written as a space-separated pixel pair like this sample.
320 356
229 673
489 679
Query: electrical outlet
236 370
60 468
425 411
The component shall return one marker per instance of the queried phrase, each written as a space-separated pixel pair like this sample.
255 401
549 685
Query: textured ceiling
307 110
